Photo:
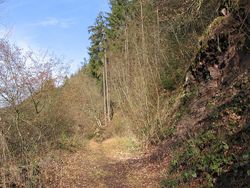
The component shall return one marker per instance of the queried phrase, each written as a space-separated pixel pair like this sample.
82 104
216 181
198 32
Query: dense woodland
174 75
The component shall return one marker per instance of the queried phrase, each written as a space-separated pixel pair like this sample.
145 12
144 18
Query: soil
99 165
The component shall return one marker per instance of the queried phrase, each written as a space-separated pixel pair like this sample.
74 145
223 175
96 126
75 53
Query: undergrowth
219 155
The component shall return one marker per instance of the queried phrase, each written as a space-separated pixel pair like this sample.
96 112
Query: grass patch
121 146
71 143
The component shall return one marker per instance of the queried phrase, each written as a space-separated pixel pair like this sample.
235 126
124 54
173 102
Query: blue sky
61 26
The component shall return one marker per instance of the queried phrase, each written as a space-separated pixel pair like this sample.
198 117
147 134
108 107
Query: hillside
164 101
213 131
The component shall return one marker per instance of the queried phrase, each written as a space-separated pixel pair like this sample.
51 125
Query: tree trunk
142 32
107 85
104 97
3 143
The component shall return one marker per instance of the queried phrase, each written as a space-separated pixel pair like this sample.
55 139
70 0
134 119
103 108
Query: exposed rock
224 47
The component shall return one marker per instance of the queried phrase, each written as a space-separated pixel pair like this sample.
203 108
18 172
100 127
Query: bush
169 84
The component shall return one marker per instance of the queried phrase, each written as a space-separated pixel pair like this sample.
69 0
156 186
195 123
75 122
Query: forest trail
114 163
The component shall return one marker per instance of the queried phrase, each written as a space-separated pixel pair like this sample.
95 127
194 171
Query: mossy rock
211 28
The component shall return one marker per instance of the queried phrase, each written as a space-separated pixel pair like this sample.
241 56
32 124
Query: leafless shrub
28 83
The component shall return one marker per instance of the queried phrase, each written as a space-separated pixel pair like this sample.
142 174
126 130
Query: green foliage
209 156
169 84
169 183
97 46
71 142
105 29
167 132
117 18
187 176
203 155
218 152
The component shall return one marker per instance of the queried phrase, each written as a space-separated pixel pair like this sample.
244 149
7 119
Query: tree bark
104 97
107 85
142 32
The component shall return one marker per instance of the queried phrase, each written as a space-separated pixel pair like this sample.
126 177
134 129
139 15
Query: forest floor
116 162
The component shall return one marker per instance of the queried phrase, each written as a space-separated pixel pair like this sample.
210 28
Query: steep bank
213 132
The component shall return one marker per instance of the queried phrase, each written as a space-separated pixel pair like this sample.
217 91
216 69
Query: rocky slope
214 129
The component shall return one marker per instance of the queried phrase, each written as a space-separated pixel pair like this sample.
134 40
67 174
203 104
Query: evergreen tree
117 17
96 49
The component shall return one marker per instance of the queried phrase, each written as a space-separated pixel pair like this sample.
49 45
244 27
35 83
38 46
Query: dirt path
108 164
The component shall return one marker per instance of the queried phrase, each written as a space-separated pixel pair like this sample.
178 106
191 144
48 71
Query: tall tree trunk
3 143
128 66
107 85
158 29
142 32
104 95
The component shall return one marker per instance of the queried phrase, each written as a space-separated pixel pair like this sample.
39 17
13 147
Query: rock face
217 103
225 50
221 68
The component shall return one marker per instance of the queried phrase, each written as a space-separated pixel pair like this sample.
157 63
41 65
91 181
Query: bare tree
26 79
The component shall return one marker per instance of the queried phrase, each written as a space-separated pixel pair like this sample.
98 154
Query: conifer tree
97 46
117 17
